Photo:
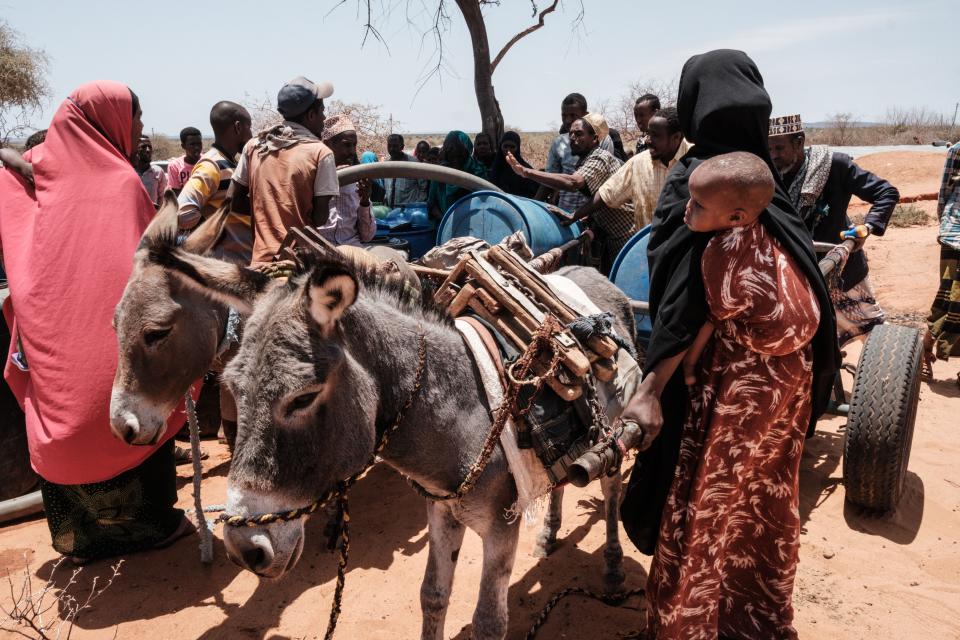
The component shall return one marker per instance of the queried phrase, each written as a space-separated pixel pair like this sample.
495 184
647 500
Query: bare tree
23 84
619 111
840 126
484 65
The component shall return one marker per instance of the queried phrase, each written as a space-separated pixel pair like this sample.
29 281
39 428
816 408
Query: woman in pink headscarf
68 242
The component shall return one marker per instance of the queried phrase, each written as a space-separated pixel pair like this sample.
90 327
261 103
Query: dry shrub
902 125
51 612
909 215
904 215
23 83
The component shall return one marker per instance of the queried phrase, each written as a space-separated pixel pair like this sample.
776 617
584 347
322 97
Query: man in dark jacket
820 183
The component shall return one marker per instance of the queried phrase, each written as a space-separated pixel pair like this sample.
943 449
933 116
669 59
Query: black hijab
723 107
504 177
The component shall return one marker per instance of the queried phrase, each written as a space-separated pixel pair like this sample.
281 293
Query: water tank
410 224
492 216
630 272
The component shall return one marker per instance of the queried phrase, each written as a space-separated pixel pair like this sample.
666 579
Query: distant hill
831 125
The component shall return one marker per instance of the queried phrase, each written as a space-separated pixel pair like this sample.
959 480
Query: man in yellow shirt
641 178
206 189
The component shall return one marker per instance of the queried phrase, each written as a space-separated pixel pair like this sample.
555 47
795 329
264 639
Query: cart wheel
883 409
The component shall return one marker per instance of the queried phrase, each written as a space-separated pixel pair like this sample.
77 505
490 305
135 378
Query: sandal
182 455
185 528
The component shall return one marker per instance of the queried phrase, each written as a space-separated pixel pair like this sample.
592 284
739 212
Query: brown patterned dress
727 555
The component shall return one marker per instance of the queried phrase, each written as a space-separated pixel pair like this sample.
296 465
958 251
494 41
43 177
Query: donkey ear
163 228
220 281
330 292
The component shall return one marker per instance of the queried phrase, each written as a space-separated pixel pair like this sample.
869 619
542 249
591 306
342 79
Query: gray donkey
168 335
323 369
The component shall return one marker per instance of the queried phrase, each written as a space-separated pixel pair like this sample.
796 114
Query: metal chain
613 600
343 521
293 514
541 339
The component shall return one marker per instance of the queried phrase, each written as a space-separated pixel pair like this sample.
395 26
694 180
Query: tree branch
515 39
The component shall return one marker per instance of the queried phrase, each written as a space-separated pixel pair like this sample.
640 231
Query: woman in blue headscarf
456 153
378 192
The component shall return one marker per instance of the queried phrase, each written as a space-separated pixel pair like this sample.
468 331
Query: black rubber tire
883 410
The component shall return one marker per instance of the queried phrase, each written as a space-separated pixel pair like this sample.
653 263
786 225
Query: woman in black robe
723 107
506 178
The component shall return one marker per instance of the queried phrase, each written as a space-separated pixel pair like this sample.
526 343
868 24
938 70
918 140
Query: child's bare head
726 191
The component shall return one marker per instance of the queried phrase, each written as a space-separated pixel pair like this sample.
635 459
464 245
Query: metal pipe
640 306
417 171
21 507
604 456
831 260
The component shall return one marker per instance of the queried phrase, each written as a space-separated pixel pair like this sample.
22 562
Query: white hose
417 171
21 507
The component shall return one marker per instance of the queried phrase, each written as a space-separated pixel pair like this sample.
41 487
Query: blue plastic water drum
630 272
492 216
414 227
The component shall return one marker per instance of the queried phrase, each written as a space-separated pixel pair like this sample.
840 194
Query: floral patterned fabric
727 554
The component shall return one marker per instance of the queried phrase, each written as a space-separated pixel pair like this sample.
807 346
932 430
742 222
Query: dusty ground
860 576
915 175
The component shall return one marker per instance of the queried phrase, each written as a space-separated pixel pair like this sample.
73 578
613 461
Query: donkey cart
881 408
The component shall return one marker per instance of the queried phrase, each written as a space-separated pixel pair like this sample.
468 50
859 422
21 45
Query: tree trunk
491 119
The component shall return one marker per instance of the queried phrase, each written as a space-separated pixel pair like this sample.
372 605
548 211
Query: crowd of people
734 198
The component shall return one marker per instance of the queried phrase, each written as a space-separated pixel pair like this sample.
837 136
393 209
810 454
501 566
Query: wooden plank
462 299
603 346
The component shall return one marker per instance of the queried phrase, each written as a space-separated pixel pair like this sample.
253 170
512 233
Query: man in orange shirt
286 176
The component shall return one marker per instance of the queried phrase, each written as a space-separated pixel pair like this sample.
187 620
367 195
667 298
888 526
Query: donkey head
306 410
168 335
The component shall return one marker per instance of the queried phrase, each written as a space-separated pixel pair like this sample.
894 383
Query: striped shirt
596 168
203 194
948 204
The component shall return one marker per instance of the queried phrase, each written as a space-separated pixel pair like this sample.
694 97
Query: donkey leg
499 551
547 538
613 575
228 416
446 536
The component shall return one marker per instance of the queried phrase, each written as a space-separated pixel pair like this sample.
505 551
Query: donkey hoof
613 580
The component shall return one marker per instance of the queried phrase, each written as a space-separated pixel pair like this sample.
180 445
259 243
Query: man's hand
363 190
644 409
518 168
27 172
277 269
858 233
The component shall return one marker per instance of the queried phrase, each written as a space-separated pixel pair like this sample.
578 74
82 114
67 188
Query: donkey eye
302 401
153 337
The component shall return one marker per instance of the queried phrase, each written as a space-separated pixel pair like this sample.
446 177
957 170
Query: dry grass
904 215
882 135
909 215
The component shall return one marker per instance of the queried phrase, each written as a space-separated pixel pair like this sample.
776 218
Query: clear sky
817 57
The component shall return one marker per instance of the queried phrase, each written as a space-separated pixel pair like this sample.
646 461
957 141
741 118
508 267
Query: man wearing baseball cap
286 176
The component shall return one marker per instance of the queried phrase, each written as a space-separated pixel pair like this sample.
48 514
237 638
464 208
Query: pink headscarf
68 250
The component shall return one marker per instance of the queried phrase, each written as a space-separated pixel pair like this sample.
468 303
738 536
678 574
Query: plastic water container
631 274
410 223
492 216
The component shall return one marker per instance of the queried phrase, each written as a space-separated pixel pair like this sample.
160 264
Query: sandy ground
860 576
915 175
